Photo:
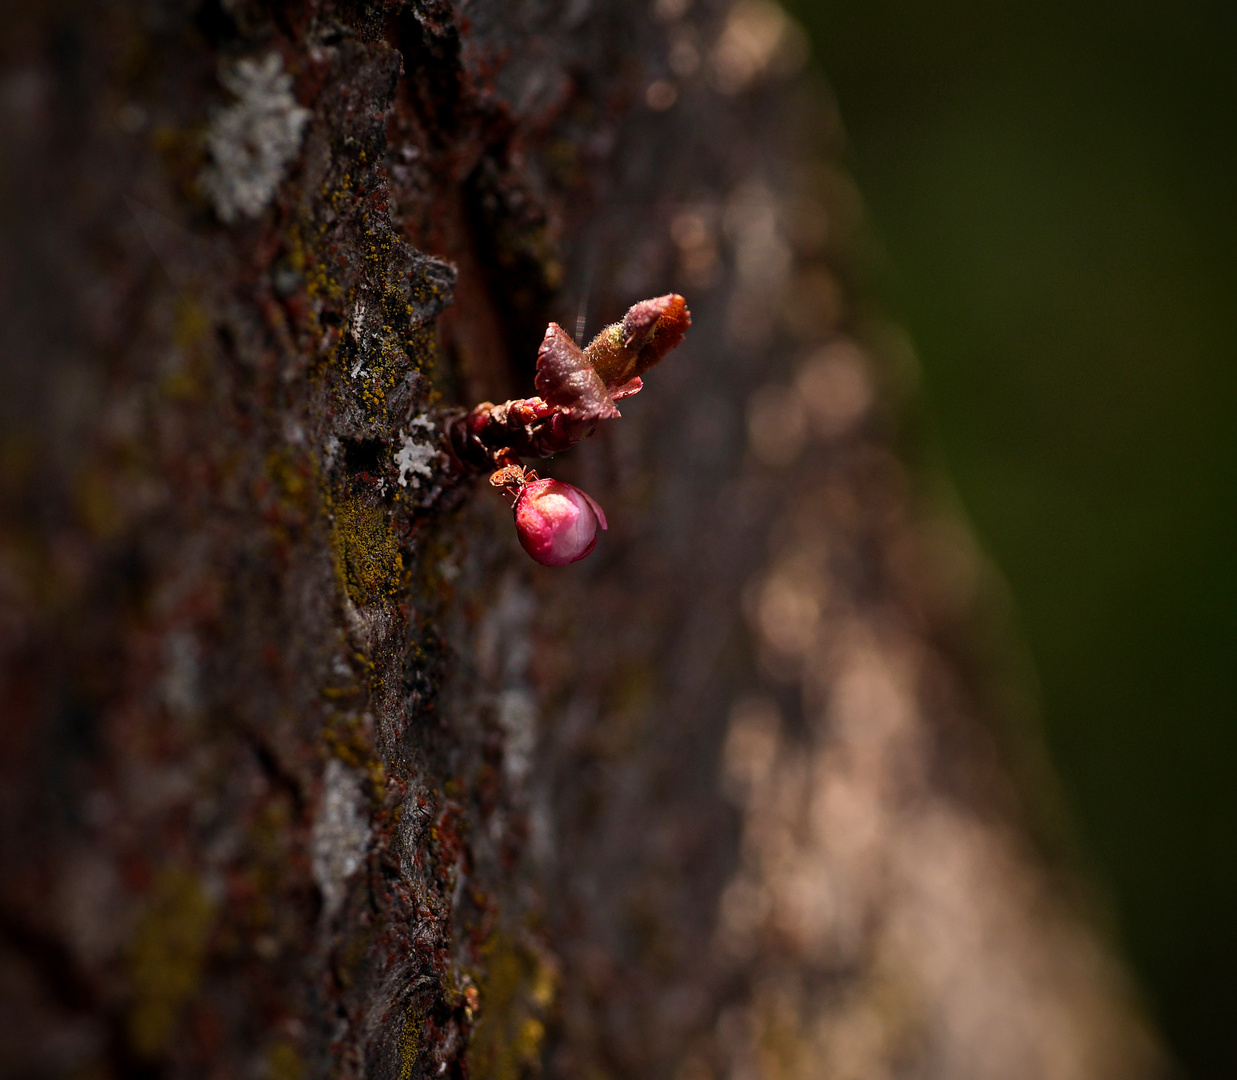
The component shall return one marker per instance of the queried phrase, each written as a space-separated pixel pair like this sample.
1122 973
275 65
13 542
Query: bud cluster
556 522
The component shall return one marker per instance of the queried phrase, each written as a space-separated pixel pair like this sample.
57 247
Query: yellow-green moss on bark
367 550
165 958
517 992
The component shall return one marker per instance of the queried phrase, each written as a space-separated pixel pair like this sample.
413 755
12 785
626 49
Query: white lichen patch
517 716
252 141
340 833
415 456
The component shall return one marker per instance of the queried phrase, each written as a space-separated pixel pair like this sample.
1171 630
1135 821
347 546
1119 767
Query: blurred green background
1053 184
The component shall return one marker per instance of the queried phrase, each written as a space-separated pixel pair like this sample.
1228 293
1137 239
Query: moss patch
518 990
367 549
283 1062
409 1042
166 959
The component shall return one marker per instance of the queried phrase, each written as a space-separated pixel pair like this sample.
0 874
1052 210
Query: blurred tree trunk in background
307 770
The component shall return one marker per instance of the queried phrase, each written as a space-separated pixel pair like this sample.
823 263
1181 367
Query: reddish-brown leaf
566 378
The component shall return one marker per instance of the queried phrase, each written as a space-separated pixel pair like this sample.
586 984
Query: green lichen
192 323
166 956
518 989
97 506
352 955
283 1062
287 492
291 473
347 740
409 1042
367 551
390 349
313 260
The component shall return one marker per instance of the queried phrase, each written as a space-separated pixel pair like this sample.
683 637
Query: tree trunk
307 769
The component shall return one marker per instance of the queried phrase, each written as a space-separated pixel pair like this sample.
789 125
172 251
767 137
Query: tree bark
307 769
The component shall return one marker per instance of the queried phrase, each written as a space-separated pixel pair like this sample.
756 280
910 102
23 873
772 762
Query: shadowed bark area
306 769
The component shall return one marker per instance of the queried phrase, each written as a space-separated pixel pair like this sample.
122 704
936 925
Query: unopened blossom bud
556 523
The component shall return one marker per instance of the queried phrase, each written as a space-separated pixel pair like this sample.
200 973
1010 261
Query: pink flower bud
556 523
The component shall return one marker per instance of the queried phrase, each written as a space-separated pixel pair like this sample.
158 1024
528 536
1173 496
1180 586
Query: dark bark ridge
252 706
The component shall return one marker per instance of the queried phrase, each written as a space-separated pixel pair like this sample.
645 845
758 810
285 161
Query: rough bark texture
307 770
